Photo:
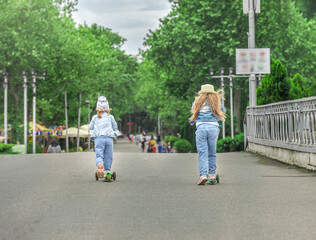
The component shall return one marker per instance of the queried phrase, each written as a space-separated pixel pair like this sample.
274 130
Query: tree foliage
41 34
275 87
197 35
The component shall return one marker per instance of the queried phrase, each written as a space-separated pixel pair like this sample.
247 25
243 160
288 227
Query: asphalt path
155 196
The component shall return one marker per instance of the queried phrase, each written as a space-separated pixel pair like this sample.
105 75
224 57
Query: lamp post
66 118
34 76
231 101
79 112
251 44
24 73
88 102
5 86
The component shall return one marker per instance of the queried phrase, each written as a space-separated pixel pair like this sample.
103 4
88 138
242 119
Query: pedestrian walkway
155 196
125 145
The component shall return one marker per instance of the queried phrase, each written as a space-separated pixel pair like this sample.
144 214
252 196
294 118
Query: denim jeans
206 139
104 151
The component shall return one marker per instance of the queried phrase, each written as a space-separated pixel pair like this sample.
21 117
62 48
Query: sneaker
211 176
100 172
202 180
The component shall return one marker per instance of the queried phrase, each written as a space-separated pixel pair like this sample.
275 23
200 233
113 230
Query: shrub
229 144
238 143
74 149
7 149
183 146
167 138
38 148
223 145
173 139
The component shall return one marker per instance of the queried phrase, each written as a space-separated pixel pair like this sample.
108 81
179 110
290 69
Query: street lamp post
66 118
34 76
5 86
24 73
231 101
251 44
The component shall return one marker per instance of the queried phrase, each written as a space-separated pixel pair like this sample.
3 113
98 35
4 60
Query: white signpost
253 61
246 6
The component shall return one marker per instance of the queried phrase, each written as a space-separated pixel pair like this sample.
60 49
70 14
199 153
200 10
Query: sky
131 19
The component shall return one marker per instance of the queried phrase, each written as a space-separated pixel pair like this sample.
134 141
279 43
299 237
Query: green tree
298 87
275 87
197 35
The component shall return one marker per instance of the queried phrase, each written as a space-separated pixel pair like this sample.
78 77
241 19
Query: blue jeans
206 139
104 151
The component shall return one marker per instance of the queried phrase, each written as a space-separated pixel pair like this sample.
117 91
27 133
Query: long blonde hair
100 112
212 99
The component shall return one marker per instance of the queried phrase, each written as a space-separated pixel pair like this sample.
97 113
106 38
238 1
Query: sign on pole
253 61
246 6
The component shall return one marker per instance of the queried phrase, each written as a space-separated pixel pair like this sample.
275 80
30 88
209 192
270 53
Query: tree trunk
14 89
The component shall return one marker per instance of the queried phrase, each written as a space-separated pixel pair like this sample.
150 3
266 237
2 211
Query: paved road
154 197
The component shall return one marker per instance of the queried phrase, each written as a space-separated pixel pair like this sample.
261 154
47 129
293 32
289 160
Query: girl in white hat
207 111
104 129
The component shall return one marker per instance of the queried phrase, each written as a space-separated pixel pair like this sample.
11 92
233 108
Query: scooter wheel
114 176
217 178
96 177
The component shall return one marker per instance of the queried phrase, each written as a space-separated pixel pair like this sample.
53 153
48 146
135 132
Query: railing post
290 123
301 122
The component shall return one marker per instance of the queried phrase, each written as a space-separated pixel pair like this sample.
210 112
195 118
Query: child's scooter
107 178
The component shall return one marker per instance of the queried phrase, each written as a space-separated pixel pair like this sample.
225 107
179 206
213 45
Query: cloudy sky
131 19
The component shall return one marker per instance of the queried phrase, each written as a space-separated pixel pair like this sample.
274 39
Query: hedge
183 146
229 144
6 149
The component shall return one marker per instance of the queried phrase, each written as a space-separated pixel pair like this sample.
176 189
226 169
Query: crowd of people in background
150 144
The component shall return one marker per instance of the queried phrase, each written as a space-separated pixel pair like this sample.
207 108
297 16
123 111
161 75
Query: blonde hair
100 112
212 99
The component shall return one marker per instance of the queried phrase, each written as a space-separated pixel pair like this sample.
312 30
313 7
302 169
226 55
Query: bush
183 146
74 149
173 139
167 138
223 145
238 143
7 149
38 148
229 144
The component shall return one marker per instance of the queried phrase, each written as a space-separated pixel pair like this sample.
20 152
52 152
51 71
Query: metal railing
289 124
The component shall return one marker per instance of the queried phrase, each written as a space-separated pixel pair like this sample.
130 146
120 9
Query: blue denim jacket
104 126
206 115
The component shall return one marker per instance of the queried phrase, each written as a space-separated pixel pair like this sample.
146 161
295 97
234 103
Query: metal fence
290 124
